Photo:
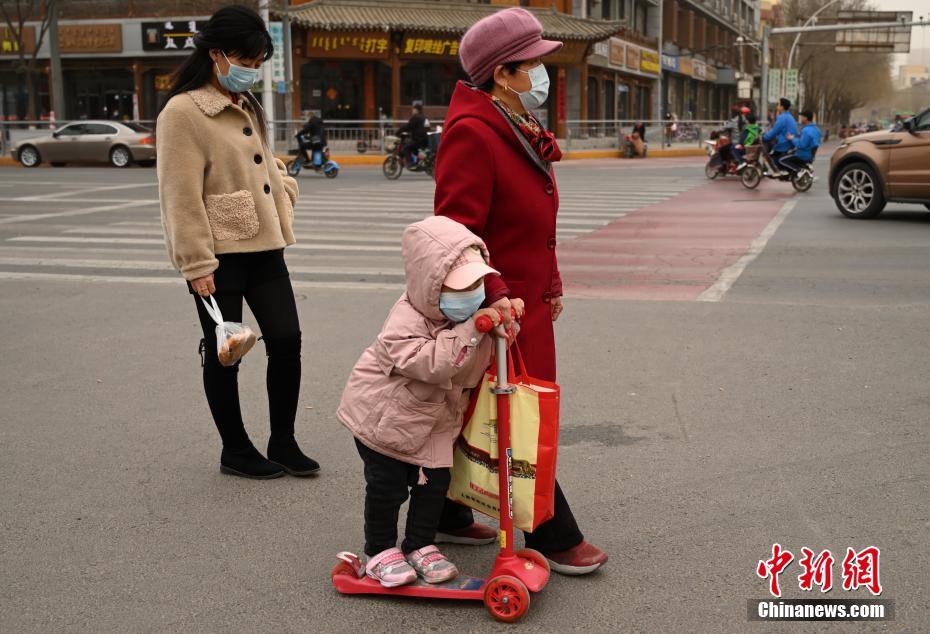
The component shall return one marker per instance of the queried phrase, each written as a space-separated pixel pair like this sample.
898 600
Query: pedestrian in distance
510 200
227 209
406 397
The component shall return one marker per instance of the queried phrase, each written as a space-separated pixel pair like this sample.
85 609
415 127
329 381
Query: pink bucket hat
511 35
468 269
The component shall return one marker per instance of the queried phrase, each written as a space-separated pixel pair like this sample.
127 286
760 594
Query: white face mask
539 88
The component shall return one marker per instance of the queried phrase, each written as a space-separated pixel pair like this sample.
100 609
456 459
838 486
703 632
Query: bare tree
837 82
15 14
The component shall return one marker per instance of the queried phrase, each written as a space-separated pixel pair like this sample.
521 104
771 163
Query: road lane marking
69 214
728 277
86 190
297 284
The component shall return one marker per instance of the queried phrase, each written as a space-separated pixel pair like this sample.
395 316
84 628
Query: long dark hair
236 30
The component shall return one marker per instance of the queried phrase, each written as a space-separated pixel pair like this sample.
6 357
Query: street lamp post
797 38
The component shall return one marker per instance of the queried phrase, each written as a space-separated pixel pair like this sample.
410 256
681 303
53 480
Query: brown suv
869 170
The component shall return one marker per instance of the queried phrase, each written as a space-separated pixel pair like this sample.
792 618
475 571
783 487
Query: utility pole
660 102
288 65
58 93
764 80
267 94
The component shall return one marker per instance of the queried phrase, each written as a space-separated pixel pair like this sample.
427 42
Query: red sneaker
580 560
474 535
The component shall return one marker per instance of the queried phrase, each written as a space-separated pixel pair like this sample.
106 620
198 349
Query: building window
610 100
640 17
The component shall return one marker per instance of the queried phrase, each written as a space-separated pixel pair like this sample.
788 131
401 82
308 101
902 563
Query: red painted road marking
672 250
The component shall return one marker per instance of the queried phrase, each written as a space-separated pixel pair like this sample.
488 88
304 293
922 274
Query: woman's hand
505 305
519 307
204 286
555 307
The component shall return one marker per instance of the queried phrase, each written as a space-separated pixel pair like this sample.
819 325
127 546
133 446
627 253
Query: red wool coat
491 181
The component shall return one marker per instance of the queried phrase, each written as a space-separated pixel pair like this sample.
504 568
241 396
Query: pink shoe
432 565
391 569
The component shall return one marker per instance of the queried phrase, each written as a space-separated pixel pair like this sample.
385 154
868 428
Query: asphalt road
791 408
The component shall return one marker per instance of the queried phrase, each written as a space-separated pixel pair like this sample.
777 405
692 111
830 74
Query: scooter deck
462 587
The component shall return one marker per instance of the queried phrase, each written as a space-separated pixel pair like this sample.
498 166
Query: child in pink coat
406 397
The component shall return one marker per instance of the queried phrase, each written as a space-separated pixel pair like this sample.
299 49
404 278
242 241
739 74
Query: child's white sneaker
432 565
391 569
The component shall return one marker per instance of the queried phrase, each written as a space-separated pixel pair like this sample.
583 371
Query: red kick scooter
506 591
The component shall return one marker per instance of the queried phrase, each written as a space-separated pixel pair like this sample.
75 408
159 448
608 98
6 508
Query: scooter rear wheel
506 598
802 181
535 556
342 568
293 167
333 173
750 177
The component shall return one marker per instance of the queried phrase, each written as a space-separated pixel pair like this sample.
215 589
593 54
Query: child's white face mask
460 305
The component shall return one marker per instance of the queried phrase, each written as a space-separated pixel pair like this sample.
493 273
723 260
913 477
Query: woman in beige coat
227 208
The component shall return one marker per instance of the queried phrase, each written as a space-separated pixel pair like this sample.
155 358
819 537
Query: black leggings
389 482
262 280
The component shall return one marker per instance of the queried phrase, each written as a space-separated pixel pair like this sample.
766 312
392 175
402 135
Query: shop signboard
699 70
348 45
632 57
9 44
686 66
90 38
437 46
711 72
791 84
276 30
774 84
649 61
170 35
670 63
617 52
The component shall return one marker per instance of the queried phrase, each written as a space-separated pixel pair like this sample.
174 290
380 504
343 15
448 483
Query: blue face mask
238 78
460 305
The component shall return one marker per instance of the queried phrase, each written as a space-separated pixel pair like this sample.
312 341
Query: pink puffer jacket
408 392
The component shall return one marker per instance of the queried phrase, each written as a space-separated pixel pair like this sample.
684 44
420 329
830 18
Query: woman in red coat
494 175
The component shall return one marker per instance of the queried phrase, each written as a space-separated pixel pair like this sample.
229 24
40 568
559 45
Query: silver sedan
117 143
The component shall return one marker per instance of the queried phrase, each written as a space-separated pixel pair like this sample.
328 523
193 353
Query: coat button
474 340
258 158
549 189
267 188
551 242
247 131
547 297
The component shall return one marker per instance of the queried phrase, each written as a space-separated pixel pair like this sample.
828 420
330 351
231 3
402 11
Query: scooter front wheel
506 598
711 171
750 177
392 168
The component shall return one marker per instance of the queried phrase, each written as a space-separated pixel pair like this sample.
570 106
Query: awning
433 17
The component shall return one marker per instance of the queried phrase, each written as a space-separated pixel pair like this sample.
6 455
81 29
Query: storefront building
622 79
701 59
111 69
366 60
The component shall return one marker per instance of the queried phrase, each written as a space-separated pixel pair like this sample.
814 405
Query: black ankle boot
288 455
248 463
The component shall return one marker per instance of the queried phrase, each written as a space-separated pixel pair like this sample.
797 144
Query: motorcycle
319 160
721 161
759 164
395 162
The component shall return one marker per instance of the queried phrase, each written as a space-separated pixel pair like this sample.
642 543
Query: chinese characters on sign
169 36
429 46
361 45
9 43
90 38
860 569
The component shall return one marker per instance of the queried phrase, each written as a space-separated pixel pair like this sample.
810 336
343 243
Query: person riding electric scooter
805 145
417 128
313 152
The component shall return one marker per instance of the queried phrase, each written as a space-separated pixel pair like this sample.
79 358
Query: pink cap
468 269
511 35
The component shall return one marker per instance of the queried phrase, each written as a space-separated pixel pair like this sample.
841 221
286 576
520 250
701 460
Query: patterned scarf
541 140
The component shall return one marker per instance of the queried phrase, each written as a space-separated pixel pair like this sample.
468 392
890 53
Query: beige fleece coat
407 394
221 189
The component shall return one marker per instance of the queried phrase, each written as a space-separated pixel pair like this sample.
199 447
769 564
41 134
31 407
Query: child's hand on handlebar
485 315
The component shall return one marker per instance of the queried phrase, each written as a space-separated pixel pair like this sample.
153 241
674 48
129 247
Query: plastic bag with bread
233 340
